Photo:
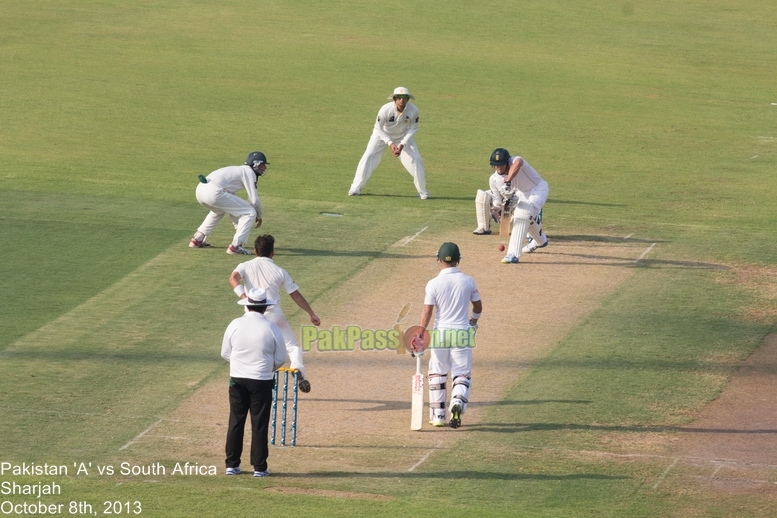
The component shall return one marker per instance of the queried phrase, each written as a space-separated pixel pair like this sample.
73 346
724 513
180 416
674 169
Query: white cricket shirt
392 126
451 293
236 177
262 272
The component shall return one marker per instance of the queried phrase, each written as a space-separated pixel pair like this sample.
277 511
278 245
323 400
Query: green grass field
652 119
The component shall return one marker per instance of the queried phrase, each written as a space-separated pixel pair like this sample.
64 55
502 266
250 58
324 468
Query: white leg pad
437 396
521 218
483 202
460 391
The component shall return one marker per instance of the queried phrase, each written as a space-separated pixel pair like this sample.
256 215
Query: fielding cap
500 156
400 90
449 252
256 297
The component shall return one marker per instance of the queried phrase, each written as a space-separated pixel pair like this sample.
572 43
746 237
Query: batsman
450 294
514 187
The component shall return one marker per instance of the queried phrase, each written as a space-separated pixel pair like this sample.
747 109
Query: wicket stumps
284 401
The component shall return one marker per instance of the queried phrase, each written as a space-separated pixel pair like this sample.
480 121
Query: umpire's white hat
256 297
400 90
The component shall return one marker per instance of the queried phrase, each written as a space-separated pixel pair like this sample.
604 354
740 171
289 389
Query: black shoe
304 385
455 416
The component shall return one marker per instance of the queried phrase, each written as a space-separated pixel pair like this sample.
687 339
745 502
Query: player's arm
237 284
477 309
297 297
426 315
514 169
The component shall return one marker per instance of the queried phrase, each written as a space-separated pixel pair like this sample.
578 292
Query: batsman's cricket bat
504 221
417 408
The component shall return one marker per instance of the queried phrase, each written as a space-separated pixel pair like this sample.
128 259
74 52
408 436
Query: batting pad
520 228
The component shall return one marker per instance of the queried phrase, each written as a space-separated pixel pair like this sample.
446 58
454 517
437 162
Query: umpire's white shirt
451 293
254 347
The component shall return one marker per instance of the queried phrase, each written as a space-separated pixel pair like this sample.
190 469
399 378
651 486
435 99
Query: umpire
254 348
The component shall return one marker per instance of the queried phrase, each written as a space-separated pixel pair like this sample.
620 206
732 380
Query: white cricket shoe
532 245
353 192
424 195
481 232
238 250
510 259
233 471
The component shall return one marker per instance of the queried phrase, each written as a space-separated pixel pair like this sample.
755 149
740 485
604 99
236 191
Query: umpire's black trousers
255 396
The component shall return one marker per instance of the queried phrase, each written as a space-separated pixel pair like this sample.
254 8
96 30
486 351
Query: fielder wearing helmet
216 192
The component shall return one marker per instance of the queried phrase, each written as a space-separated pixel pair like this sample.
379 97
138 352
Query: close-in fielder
262 272
216 192
450 293
516 182
254 348
395 127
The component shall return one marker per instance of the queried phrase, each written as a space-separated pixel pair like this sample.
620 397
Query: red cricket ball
501 248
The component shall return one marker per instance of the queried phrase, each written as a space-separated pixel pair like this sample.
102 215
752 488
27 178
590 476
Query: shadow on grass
553 427
411 196
380 406
575 202
451 475
371 254
601 239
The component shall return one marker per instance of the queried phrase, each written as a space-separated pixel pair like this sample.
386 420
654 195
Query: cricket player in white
262 272
395 127
216 192
516 181
451 293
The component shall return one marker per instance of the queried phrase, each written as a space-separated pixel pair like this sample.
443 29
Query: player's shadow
452 475
554 427
552 201
382 405
371 254
593 238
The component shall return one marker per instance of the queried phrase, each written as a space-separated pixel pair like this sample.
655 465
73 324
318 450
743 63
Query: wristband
476 315
239 290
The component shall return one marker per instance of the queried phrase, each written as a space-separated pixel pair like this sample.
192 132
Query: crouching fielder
516 182
450 293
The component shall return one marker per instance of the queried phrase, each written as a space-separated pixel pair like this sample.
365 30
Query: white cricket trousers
220 202
410 158
275 315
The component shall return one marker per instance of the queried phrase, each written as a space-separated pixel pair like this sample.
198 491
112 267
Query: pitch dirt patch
732 444
356 419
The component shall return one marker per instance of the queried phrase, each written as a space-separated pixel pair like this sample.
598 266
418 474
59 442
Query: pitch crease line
665 473
138 436
405 240
646 252
426 456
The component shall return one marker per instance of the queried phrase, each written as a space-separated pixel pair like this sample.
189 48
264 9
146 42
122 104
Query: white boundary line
643 254
426 456
141 434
